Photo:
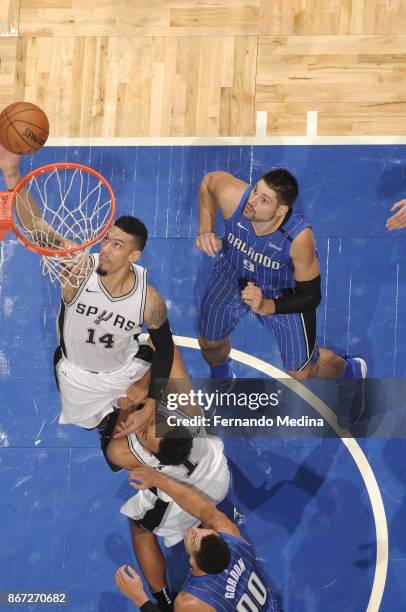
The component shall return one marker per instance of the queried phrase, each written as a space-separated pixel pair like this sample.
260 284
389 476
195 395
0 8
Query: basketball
24 128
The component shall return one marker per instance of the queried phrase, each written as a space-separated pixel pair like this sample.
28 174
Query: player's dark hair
284 184
175 446
214 554
134 227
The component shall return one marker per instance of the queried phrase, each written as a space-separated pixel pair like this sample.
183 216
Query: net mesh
60 209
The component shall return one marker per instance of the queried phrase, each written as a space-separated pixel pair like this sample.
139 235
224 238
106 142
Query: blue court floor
316 510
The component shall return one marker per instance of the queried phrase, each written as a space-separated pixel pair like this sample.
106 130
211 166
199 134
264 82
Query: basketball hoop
59 211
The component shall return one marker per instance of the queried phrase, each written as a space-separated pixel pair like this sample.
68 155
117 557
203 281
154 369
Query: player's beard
100 271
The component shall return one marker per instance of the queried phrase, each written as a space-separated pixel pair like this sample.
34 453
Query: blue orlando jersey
239 587
264 260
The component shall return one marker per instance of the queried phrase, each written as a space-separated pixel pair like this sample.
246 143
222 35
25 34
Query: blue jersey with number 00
239 587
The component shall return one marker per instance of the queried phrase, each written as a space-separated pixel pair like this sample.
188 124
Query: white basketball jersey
99 332
204 464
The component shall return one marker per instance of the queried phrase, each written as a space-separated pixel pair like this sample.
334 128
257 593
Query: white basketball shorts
87 397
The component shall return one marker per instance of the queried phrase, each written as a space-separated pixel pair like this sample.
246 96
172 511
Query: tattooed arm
28 212
155 313
155 318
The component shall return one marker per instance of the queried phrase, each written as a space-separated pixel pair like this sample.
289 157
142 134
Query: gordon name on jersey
99 332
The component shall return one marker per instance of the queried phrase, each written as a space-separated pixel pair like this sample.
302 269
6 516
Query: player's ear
282 210
134 256
193 563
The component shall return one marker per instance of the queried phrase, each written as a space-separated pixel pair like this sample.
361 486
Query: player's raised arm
130 584
9 165
218 190
145 477
26 207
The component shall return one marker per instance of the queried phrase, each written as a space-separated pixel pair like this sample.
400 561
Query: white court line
218 141
260 125
311 124
367 474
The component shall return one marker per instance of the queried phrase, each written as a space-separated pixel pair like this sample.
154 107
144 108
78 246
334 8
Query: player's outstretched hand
130 584
8 161
138 421
398 220
144 477
208 243
252 296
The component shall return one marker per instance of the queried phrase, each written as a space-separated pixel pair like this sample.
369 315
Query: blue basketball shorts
222 307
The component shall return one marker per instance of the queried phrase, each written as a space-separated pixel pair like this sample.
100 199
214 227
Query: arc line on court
356 452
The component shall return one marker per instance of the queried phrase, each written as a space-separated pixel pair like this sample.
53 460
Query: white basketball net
60 209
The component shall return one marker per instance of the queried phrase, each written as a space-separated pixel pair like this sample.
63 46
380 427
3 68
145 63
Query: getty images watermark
206 401
218 401
361 408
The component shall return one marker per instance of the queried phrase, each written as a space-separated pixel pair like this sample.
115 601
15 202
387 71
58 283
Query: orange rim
60 166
